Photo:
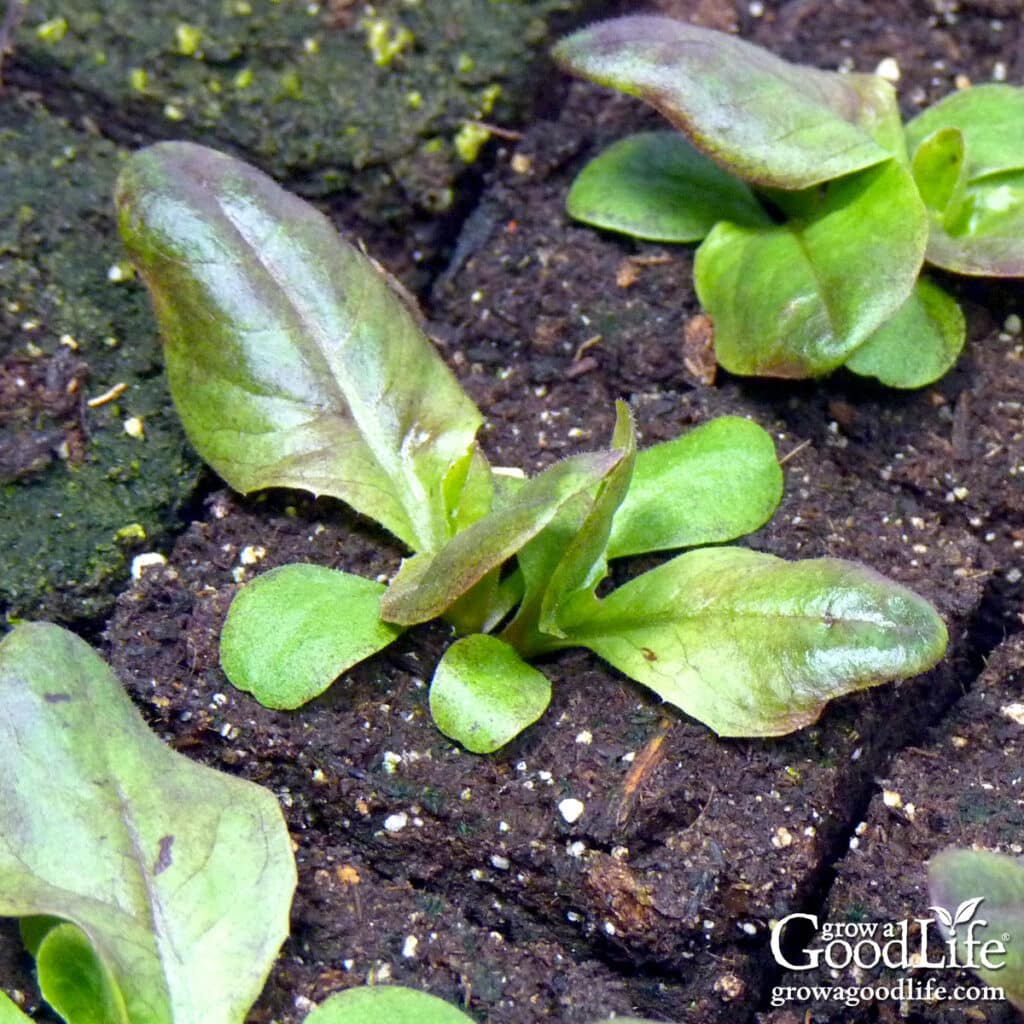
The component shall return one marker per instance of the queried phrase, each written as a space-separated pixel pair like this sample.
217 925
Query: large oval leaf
766 120
386 1004
290 359
956 879
181 877
797 299
292 631
656 185
991 119
716 483
483 694
752 645
918 345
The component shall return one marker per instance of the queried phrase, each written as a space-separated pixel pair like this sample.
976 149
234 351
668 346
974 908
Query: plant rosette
814 206
294 363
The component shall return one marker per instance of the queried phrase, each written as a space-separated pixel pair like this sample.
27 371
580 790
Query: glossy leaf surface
427 586
752 645
717 482
991 120
181 877
797 299
956 877
483 694
657 186
918 345
75 982
986 238
290 359
766 120
293 630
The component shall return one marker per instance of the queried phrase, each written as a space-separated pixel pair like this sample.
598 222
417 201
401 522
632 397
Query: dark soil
424 865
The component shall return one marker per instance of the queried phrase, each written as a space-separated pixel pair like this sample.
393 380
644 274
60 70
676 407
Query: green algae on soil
84 488
381 101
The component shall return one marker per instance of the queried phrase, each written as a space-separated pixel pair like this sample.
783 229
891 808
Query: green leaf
292 631
713 484
386 1004
918 345
797 299
752 645
655 185
427 585
991 119
290 359
766 120
75 982
566 560
956 878
980 231
940 172
483 694
181 877
986 238
11 1013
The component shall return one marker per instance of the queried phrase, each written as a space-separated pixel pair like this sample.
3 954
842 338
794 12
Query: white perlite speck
409 946
570 809
140 563
1015 712
396 822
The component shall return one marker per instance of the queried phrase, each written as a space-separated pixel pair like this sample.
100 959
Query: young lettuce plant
151 889
293 363
956 880
816 207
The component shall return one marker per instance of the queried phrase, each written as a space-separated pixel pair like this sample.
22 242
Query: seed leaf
656 185
181 877
765 120
752 645
290 359
483 694
428 585
784 299
392 1004
918 345
713 484
292 631
956 876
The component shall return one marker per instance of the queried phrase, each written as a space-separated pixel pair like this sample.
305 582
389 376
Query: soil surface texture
427 866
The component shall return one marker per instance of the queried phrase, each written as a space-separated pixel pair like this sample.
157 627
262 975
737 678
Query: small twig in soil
108 396
12 19
646 761
794 453
588 344
502 133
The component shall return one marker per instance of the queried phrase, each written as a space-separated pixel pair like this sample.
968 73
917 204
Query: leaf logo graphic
963 913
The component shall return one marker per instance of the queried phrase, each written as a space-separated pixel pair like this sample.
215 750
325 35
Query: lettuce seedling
150 888
816 207
968 885
292 362
395 1004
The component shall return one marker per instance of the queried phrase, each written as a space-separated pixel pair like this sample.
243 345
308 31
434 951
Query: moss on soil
59 532
344 95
